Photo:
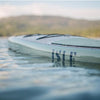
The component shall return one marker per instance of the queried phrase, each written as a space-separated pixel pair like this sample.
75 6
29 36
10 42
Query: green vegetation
48 24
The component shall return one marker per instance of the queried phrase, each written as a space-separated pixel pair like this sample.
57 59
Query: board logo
62 56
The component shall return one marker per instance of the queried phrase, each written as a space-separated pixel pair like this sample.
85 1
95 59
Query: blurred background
76 17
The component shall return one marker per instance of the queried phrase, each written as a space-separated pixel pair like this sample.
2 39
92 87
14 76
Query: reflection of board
62 57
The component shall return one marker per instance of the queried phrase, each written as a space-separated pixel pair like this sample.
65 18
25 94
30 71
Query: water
24 77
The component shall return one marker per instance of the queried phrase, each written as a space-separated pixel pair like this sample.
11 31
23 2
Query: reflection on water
24 77
76 64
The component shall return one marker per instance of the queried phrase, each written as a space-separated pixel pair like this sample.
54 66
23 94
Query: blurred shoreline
31 24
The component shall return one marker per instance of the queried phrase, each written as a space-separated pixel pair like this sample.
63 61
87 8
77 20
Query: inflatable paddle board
58 46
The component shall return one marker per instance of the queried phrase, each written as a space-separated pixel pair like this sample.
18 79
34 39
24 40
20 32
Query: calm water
24 77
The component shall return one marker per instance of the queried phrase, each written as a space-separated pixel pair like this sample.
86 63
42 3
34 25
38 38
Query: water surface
25 77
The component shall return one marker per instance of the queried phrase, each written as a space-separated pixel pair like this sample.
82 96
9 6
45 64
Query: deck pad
79 41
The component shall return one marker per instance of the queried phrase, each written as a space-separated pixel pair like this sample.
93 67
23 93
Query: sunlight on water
24 77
